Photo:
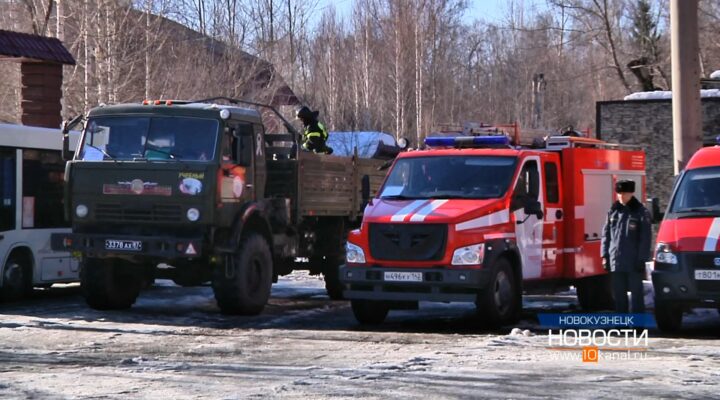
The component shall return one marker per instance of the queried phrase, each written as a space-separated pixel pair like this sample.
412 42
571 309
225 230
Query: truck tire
668 316
595 293
500 302
331 275
247 289
110 284
17 281
369 312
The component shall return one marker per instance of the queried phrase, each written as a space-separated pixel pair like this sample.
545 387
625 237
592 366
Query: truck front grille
408 242
153 213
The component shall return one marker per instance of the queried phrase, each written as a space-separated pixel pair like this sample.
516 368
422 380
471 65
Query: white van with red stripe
687 256
473 219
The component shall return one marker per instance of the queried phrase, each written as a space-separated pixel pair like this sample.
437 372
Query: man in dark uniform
315 135
625 247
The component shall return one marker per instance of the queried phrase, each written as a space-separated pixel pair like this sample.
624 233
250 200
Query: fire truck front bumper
413 284
104 245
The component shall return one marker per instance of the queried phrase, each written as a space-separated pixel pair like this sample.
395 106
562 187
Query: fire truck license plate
404 276
707 275
128 245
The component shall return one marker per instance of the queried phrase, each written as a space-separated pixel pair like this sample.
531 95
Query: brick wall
648 123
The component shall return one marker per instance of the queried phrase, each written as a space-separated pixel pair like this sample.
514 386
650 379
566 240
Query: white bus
31 209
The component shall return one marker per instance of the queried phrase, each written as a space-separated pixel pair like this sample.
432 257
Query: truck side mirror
365 190
67 126
533 207
655 214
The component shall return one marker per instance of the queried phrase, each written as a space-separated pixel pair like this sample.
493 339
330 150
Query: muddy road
174 344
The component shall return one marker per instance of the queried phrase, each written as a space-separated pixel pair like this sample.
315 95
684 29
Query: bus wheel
242 285
369 312
110 284
500 302
668 316
16 279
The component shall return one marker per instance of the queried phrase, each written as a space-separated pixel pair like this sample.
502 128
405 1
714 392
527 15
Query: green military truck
199 191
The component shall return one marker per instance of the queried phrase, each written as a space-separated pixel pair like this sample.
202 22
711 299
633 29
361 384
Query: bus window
7 190
43 188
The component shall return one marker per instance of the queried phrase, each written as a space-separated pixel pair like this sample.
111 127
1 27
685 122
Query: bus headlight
354 254
469 255
81 211
193 214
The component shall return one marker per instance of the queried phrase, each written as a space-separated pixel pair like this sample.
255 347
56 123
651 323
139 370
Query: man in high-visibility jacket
315 135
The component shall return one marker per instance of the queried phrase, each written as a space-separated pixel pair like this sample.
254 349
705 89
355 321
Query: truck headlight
81 211
469 255
664 254
193 214
354 254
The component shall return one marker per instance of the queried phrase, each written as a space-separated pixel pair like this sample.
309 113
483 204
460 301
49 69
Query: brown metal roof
24 45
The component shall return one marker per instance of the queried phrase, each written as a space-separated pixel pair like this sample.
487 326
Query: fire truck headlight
664 254
354 254
193 214
81 211
469 255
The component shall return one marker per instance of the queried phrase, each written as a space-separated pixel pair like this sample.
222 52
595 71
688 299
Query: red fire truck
687 257
474 219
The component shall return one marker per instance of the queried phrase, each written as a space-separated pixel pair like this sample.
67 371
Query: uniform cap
625 186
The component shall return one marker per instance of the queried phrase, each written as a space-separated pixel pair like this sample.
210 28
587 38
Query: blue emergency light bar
468 141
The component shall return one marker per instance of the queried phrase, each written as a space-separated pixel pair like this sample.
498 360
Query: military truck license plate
707 275
403 276
127 245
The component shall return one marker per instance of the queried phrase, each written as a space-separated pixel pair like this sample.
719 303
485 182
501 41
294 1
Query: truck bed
322 185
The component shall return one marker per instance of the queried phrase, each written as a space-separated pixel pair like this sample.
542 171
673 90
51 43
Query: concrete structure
649 123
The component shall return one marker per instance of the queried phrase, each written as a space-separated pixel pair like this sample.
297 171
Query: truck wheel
110 284
369 312
668 316
247 289
500 303
595 293
16 280
331 275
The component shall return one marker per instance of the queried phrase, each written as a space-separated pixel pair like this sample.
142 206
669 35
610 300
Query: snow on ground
175 344
715 75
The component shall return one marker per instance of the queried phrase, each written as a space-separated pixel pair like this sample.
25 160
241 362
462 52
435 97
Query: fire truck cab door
528 234
553 233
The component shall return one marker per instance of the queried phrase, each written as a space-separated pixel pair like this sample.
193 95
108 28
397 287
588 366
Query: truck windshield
698 193
465 177
152 138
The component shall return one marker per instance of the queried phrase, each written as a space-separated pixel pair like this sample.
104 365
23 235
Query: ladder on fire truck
564 142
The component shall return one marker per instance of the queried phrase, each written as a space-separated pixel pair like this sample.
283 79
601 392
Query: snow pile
344 143
666 94
715 75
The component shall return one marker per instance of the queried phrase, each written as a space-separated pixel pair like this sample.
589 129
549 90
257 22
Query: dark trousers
631 281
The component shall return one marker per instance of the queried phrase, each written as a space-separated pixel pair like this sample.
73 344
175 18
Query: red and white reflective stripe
496 218
407 210
500 236
712 237
425 211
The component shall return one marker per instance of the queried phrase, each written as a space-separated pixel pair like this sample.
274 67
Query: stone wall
648 123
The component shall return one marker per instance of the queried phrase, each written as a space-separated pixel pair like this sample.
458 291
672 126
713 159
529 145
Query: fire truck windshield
444 177
698 193
127 137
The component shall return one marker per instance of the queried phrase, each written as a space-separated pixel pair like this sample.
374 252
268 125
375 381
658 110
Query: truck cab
473 219
686 267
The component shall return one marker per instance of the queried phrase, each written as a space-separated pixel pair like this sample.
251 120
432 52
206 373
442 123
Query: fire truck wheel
16 279
668 316
331 275
595 293
369 312
110 284
500 302
242 285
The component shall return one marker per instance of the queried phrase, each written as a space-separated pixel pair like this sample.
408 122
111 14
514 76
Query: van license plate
707 275
403 276
126 245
